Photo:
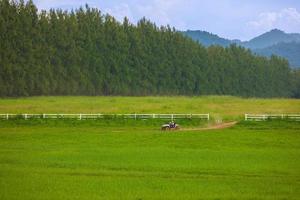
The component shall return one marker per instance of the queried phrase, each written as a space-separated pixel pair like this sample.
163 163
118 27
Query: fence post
246 117
153 116
135 116
25 116
172 116
281 116
80 116
7 116
44 116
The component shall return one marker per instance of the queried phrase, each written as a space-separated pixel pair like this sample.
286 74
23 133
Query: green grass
133 159
225 107
102 160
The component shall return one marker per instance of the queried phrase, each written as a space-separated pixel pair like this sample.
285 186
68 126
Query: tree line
85 52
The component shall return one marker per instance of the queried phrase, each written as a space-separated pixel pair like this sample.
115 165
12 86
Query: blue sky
233 19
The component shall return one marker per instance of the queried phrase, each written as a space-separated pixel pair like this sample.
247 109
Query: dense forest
85 52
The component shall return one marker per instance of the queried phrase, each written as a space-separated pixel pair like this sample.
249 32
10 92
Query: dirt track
215 126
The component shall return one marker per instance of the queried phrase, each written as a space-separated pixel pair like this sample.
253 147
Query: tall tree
83 52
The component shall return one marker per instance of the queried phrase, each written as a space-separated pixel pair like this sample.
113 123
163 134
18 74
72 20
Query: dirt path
215 126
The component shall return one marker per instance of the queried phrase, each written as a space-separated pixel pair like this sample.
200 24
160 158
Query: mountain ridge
271 38
274 42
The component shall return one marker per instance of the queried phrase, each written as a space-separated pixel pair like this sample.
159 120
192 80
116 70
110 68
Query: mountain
208 39
273 42
288 50
271 38
267 39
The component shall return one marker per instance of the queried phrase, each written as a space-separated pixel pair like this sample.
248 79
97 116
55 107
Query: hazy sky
233 19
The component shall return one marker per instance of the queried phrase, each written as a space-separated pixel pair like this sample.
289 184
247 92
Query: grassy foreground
121 159
89 161
217 106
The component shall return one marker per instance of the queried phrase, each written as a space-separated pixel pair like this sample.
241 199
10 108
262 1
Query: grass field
72 159
219 107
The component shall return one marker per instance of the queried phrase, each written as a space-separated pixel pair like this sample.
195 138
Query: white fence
261 117
104 116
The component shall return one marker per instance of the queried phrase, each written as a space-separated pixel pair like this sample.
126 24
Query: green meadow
217 106
133 159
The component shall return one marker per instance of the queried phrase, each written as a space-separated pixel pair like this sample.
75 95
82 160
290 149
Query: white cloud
160 11
120 11
287 19
47 4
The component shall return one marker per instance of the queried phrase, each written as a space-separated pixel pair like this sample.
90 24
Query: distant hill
271 38
273 42
208 39
290 51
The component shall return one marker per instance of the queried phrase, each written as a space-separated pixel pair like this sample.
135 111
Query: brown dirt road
212 127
